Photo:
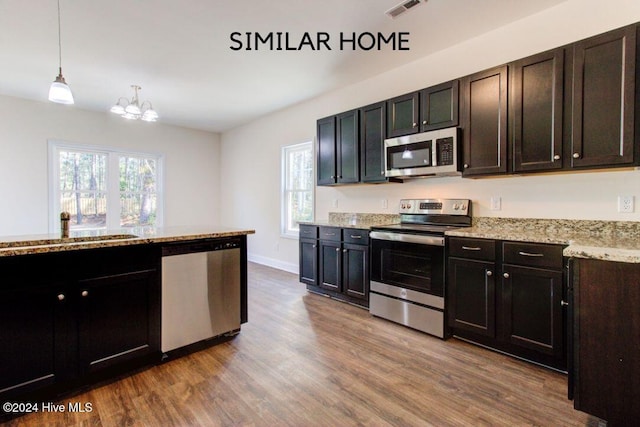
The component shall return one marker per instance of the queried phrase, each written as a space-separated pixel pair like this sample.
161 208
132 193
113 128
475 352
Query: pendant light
59 91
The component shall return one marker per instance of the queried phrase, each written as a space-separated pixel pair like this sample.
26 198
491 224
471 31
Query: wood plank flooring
306 360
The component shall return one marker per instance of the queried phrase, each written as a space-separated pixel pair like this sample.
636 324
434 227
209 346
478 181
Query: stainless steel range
408 263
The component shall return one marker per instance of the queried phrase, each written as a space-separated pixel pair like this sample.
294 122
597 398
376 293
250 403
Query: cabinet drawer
533 254
354 235
330 233
308 231
472 248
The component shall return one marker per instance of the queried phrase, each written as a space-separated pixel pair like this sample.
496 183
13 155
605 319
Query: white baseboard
275 263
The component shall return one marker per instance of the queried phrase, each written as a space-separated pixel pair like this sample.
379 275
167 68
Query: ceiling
179 51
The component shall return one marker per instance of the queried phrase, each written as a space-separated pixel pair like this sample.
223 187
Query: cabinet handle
415 124
344 250
466 166
356 237
424 122
337 249
85 293
471 248
489 273
60 297
329 234
556 157
530 254
564 303
576 155
313 246
505 275
382 173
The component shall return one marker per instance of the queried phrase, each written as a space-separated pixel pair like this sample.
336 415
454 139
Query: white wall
251 153
192 161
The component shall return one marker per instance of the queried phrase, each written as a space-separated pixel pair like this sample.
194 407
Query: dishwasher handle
181 248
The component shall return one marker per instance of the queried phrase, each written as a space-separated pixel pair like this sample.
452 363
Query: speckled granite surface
24 245
356 220
603 240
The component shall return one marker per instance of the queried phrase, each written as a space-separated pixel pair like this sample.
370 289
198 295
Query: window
104 188
297 187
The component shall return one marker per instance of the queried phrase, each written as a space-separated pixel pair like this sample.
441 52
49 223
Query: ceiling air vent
398 10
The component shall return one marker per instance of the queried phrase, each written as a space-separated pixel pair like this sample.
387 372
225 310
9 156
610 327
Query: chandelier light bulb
132 110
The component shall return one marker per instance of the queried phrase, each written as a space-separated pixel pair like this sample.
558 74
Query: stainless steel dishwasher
200 291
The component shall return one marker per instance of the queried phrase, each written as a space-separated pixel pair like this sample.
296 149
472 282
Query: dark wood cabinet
439 106
471 296
604 98
514 305
68 316
326 151
342 263
338 149
308 262
606 363
536 103
484 122
403 115
348 147
373 132
117 319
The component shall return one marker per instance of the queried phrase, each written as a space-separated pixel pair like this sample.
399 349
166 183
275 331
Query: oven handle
407 238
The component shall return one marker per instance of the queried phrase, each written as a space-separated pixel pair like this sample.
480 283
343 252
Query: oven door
408 261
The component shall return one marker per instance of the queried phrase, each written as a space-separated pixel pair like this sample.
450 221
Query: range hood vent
398 10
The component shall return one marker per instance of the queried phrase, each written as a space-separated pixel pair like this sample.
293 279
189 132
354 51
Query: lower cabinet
68 318
508 296
336 263
606 333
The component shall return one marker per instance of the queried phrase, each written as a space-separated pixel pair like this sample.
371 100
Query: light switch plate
496 203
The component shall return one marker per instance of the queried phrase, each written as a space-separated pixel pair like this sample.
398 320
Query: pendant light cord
59 40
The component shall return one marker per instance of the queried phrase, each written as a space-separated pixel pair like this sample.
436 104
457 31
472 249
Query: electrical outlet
385 204
625 204
496 203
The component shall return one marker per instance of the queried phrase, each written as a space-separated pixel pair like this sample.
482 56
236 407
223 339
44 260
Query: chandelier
133 110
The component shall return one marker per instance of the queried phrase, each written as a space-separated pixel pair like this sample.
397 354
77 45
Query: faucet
64 224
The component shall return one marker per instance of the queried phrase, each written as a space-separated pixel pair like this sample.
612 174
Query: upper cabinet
484 122
604 77
432 108
536 95
402 115
372 135
337 149
439 106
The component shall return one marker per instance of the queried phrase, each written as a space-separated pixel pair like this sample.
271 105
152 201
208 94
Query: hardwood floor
306 360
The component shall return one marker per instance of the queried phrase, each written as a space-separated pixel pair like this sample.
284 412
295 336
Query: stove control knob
463 207
402 206
409 206
456 206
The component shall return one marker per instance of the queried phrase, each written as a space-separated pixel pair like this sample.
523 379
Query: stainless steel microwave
434 153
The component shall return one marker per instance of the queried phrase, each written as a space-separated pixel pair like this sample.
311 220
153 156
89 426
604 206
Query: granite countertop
85 239
355 220
603 240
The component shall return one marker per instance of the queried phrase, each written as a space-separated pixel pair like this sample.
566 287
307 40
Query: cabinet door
309 261
603 99
355 270
348 147
536 102
402 115
119 318
30 337
330 267
439 106
326 150
484 123
532 309
607 333
471 296
372 135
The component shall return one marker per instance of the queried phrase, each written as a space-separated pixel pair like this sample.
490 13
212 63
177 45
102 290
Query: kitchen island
86 308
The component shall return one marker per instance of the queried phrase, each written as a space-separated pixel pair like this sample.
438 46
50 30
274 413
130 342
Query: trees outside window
103 188
297 187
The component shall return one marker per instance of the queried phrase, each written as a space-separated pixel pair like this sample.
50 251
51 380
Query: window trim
285 149
113 204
